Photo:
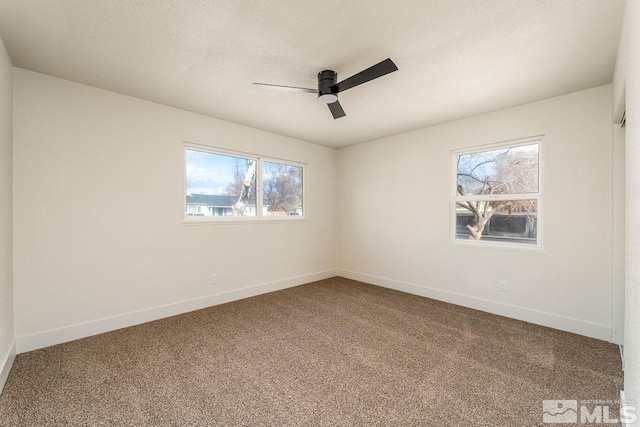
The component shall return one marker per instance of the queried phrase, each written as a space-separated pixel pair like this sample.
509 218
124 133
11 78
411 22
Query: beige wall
627 82
394 222
99 206
6 209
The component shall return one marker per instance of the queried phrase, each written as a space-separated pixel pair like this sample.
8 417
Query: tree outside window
497 194
282 188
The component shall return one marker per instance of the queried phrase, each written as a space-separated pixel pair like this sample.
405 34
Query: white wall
618 226
6 214
618 109
394 218
627 82
99 205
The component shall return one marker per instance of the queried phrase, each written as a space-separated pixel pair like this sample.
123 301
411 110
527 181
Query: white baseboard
6 364
82 330
581 327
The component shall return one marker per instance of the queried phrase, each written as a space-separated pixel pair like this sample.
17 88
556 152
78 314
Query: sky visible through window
209 173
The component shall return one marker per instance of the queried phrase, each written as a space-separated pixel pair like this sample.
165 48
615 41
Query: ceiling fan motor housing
326 79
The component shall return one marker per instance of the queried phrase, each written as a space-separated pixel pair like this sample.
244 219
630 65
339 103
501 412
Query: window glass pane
282 189
508 221
220 185
511 170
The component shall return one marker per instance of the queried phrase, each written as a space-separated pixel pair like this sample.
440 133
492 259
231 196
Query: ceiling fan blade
385 67
336 110
287 88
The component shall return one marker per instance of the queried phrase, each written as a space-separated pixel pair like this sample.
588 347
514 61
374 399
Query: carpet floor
333 352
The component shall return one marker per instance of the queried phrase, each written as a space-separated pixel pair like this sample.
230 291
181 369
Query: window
496 194
282 189
237 186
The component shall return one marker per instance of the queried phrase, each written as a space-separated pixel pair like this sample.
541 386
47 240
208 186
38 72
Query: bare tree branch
516 174
489 161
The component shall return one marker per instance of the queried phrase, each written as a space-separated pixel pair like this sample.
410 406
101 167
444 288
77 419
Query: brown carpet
334 352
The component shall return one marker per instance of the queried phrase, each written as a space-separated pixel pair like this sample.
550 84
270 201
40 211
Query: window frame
454 197
259 217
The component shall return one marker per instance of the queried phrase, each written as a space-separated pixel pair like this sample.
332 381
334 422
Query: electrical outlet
503 286
214 278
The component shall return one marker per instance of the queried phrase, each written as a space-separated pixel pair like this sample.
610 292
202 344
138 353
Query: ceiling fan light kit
328 87
326 80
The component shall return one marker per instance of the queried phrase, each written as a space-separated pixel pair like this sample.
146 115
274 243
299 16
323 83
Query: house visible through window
237 186
497 195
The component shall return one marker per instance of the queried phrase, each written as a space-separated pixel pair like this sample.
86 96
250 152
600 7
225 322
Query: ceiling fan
329 88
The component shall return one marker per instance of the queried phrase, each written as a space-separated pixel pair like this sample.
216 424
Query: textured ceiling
457 58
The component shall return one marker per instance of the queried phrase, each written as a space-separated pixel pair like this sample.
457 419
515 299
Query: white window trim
259 218
454 197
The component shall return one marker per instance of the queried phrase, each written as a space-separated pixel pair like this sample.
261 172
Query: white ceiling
456 58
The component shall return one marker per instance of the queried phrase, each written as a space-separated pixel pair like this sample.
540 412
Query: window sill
241 220
511 247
